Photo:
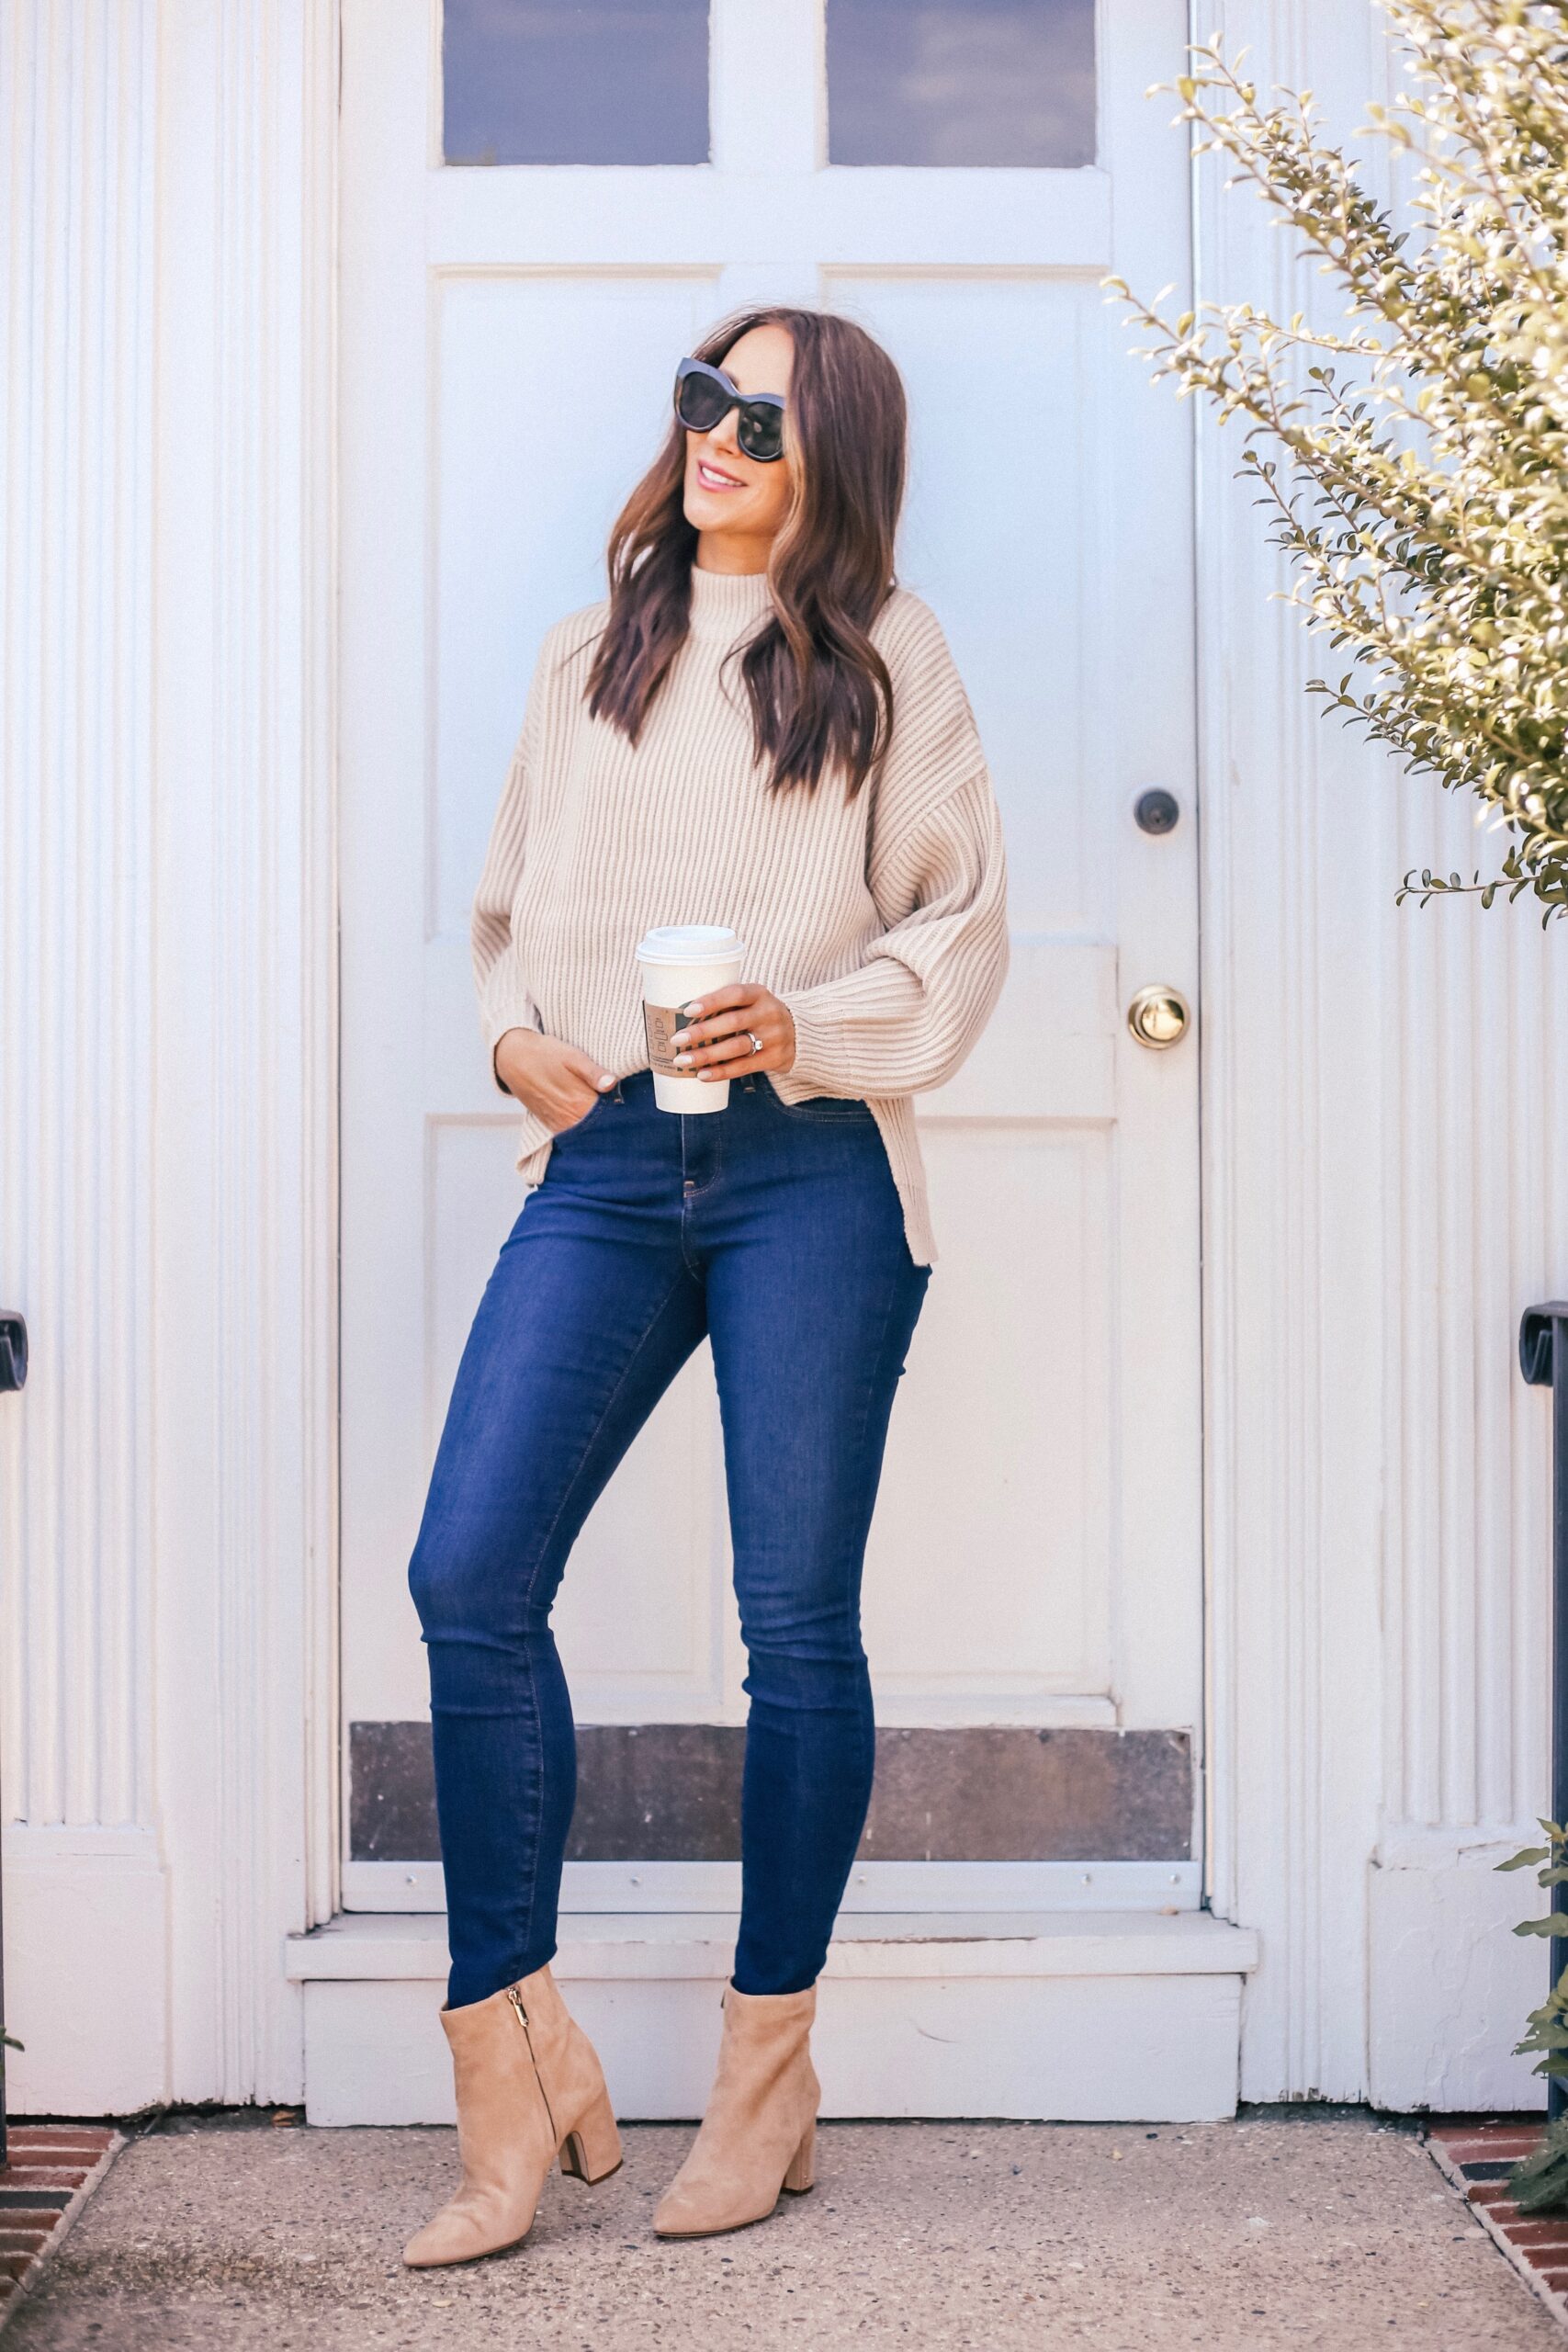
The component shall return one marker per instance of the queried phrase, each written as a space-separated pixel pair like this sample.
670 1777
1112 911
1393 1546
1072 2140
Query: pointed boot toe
453 2236
758 2137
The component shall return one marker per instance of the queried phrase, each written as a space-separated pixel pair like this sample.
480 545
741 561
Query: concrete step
1088 2016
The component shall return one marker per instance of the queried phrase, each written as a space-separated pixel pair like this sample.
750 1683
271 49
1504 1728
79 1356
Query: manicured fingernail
602 1083
692 1011
681 1037
683 1061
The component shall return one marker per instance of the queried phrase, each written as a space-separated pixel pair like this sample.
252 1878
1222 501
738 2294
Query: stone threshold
910 1944
1082 2016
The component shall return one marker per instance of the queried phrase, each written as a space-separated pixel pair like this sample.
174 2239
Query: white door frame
245 981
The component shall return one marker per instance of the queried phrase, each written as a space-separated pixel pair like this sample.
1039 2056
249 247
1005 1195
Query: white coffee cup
678 962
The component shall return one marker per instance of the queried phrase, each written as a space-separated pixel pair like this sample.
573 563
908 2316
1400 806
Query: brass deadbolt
1158 1017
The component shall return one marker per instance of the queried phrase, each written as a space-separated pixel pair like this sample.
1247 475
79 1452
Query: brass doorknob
1158 1017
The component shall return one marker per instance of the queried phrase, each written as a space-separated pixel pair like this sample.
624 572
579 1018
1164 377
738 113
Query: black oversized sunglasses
704 395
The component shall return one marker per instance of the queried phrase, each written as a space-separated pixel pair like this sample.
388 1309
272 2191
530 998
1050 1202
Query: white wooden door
509 333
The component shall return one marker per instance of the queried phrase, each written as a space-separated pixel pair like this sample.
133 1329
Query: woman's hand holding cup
555 1081
716 1041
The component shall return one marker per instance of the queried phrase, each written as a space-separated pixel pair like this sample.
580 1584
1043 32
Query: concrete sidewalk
1323 2231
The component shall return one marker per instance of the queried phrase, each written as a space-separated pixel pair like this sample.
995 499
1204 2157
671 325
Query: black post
1543 1359
13 1374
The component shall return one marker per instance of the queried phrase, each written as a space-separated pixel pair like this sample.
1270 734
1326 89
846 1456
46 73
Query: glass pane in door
961 82
575 81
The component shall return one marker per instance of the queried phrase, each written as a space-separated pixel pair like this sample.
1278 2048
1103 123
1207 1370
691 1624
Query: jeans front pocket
575 1126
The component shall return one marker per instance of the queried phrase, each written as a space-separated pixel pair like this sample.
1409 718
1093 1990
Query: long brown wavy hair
820 694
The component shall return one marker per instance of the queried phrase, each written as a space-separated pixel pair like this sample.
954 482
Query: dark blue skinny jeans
777 1230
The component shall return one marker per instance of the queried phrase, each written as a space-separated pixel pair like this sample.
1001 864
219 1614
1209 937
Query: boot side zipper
516 1998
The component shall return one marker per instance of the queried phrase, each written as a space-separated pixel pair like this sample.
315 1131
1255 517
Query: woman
757 729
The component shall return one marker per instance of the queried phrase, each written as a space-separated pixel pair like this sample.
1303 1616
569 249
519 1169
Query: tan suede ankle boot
758 2133
529 2087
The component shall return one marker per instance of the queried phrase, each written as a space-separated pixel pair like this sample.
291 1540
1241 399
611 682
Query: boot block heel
593 2152
802 2164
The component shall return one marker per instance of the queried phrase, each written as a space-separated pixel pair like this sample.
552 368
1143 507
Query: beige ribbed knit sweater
881 921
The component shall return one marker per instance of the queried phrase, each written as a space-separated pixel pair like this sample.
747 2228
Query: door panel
1006 376
509 337
531 372
986 1594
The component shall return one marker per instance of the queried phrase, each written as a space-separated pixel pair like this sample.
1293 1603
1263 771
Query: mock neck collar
724 602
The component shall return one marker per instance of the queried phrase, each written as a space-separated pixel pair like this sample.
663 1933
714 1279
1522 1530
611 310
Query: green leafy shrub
1414 461
1540 2184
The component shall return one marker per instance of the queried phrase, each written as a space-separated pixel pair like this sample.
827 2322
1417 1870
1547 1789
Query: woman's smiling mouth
711 478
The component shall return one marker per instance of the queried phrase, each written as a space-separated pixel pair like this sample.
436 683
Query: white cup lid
690 942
